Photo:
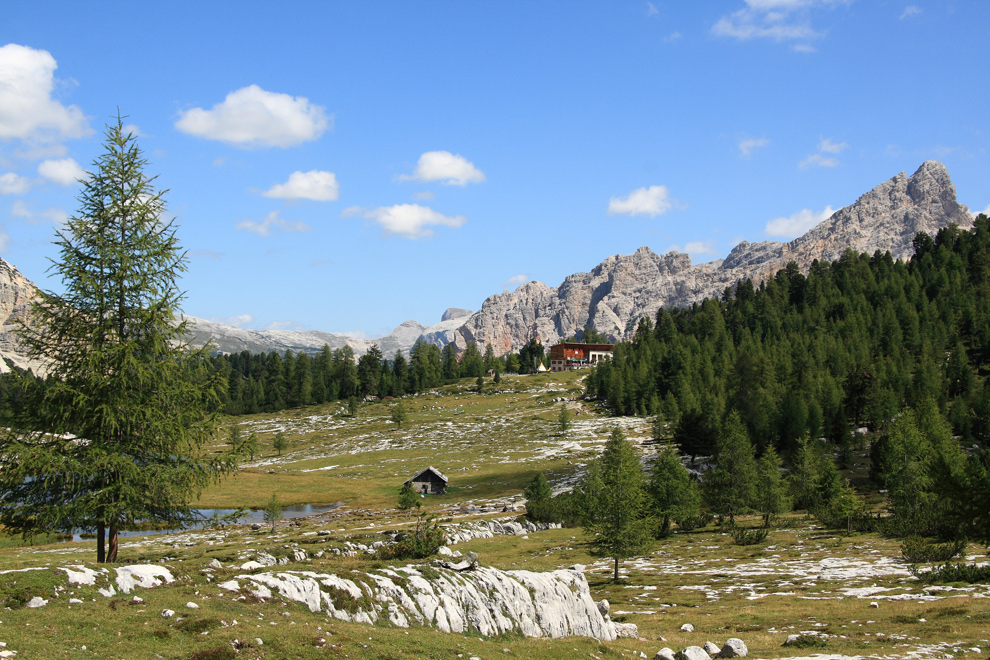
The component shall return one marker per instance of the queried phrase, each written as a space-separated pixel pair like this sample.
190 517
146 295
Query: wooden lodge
429 482
566 356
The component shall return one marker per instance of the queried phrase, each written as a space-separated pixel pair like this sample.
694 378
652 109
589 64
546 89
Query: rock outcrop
486 600
16 295
623 289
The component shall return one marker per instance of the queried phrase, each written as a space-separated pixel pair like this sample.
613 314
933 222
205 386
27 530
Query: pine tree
674 496
408 498
118 435
280 443
730 487
615 502
539 499
771 491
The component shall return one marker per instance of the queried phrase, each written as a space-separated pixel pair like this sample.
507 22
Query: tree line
269 382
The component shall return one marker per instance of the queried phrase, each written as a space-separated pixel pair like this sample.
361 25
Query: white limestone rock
734 648
693 653
687 627
37 602
626 630
711 648
146 576
666 653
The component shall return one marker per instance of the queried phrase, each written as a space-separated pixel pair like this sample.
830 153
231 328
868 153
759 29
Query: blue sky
346 166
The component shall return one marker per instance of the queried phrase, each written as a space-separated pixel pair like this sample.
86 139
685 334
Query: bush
749 535
695 522
921 551
423 542
969 573
808 642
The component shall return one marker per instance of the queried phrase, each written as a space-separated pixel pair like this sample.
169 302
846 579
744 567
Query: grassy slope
489 446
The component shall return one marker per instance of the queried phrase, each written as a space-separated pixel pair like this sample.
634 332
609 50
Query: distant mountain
614 295
623 289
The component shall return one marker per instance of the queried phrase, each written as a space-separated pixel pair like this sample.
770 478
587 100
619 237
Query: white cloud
985 212
253 117
131 129
515 281
272 223
450 169
798 223
12 183
24 212
749 145
238 321
28 111
651 9
64 172
424 196
4 240
672 37
820 159
406 220
777 20
652 201
911 11
699 247
830 147
316 185
803 48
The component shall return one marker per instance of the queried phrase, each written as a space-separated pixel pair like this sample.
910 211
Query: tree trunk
616 569
112 549
101 550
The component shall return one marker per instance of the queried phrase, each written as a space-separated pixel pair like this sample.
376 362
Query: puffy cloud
985 212
652 201
238 321
515 281
28 111
798 223
253 117
911 11
64 172
777 20
13 184
828 146
407 220
316 185
272 223
450 169
749 145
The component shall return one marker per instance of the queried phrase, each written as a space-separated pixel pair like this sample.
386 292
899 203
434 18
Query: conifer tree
615 502
117 437
673 494
771 491
730 487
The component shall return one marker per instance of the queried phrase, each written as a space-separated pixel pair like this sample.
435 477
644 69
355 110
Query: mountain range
611 297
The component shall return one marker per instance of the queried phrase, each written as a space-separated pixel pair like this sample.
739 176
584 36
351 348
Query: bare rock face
16 295
486 600
624 288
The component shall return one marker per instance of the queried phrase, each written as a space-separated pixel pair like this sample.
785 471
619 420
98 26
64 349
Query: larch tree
615 502
117 436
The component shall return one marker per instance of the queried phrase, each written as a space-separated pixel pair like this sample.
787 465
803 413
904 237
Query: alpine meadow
639 329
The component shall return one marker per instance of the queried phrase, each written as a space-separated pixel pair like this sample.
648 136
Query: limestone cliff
624 288
16 294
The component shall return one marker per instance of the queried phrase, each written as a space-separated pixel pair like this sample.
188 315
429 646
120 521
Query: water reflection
248 516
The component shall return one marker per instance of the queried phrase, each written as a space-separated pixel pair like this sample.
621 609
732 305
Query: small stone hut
429 482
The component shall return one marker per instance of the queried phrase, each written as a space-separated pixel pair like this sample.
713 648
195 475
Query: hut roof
429 469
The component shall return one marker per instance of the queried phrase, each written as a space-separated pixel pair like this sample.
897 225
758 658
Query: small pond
249 516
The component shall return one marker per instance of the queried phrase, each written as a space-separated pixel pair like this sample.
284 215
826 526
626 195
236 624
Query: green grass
490 446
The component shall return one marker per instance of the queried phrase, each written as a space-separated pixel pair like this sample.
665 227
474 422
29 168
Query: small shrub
429 573
921 551
423 542
197 626
698 521
344 600
749 535
968 573
808 642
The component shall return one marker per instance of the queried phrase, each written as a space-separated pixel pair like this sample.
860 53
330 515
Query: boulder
687 627
37 602
711 648
168 614
603 607
666 653
627 630
792 639
693 653
734 648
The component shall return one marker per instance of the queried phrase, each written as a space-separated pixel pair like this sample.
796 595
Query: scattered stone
167 614
874 604
145 576
37 602
687 627
665 653
627 630
191 605
74 601
792 639
255 526
258 642
603 607
251 566
693 653
215 563
710 648
137 600
323 532
299 554
734 648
